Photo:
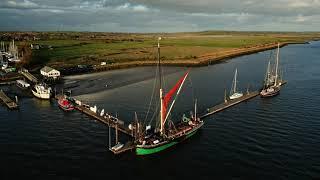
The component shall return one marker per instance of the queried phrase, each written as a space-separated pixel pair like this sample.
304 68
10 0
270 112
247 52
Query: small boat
233 93
117 147
22 84
42 91
65 104
273 89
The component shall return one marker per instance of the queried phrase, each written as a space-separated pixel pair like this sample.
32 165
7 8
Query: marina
239 136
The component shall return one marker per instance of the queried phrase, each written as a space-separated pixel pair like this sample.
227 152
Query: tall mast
161 91
195 110
277 64
235 81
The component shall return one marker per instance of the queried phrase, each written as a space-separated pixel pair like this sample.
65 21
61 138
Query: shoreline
204 60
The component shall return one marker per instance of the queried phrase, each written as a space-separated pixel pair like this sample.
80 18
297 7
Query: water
259 139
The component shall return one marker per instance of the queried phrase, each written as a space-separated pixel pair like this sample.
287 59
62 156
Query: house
35 46
49 72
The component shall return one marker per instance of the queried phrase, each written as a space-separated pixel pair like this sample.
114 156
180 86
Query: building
35 46
49 72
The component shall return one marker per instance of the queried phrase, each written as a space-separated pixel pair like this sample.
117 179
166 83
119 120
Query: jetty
108 120
229 103
7 101
28 75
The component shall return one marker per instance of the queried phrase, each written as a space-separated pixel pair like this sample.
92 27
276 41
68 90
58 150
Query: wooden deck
28 75
106 119
7 101
231 103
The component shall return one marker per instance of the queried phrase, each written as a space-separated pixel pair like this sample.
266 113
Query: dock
28 75
7 101
108 120
229 103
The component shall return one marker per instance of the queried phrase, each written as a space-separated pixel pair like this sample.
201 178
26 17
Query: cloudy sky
159 15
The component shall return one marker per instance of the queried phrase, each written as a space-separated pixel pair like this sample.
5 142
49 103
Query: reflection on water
276 138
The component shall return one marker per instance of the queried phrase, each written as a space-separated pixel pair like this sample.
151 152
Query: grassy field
139 48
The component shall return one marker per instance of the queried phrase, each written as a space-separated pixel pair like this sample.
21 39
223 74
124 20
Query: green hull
146 151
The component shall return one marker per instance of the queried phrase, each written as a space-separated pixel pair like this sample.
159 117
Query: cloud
24 4
159 15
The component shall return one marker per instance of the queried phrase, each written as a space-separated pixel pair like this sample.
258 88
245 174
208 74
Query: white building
49 72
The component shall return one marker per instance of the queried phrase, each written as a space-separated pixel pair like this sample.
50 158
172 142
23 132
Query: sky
159 15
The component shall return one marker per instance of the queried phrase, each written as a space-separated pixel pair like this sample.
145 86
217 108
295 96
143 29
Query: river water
259 139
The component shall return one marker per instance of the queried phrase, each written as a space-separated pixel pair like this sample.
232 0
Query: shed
49 72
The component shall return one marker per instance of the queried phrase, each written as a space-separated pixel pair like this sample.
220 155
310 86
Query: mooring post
225 96
116 133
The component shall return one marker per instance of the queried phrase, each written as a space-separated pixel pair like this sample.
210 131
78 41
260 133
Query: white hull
236 95
41 96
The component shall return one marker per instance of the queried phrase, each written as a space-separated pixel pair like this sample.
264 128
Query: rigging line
151 98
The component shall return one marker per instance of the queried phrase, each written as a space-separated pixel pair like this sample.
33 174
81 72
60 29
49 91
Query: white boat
117 146
233 93
22 84
42 91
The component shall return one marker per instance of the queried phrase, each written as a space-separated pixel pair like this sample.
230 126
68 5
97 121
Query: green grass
142 47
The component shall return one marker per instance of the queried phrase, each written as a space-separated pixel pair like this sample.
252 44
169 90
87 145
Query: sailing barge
155 140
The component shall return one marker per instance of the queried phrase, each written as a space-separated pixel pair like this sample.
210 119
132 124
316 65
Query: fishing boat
270 90
65 104
234 94
42 91
169 133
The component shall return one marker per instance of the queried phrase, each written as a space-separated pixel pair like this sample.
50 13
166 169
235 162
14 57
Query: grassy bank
120 50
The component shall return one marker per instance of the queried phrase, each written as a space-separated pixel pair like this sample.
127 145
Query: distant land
105 51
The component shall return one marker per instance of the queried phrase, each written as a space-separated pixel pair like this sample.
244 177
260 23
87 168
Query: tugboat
65 104
42 91
169 133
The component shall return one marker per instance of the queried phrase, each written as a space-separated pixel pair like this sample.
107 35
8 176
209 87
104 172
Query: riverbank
93 52
210 58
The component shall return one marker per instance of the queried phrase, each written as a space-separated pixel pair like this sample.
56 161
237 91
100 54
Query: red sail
169 95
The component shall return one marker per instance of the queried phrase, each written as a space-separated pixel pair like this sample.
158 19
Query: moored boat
273 89
41 91
65 104
234 94
169 133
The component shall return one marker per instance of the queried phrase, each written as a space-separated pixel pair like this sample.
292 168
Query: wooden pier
106 119
229 103
7 101
28 75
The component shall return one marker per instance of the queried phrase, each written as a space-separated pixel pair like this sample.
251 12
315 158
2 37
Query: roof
47 69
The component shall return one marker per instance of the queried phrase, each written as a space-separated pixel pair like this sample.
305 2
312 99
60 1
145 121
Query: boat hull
168 144
40 96
270 94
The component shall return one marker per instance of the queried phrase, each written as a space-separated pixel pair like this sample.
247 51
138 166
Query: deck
7 101
28 75
106 119
229 103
